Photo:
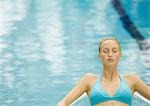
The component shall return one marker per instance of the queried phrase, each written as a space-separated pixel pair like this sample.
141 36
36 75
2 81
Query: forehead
109 43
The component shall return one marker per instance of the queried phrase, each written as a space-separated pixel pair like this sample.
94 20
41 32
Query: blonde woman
110 88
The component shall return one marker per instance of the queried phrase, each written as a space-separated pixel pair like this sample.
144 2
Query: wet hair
109 38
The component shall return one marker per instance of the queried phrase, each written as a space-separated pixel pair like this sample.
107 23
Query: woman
111 88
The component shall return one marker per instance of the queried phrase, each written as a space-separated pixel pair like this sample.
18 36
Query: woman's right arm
76 92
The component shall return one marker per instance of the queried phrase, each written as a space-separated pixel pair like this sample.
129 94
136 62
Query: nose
110 54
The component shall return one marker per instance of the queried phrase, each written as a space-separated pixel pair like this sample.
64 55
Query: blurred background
46 46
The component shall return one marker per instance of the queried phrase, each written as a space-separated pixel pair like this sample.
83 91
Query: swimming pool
47 45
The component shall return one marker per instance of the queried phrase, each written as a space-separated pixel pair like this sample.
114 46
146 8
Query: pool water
46 46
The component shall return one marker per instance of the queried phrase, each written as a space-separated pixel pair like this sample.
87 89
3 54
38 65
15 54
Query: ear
99 55
120 55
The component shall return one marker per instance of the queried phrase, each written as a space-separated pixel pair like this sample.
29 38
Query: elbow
149 93
61 103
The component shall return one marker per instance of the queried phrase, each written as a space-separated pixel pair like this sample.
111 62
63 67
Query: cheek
118 57
104 57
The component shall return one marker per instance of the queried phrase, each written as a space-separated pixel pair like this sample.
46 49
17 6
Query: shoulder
132 78
90 78
139 85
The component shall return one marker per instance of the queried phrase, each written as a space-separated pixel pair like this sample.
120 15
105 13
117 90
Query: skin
110 78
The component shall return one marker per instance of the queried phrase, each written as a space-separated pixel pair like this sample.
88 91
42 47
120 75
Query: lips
110 59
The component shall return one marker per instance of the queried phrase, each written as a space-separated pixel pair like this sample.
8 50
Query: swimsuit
98 94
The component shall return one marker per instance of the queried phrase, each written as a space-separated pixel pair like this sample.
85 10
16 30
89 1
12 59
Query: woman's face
109 52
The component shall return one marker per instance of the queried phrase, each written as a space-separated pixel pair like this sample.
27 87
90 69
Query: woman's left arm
141 87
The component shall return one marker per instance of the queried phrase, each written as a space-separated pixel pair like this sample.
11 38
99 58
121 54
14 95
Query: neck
110 73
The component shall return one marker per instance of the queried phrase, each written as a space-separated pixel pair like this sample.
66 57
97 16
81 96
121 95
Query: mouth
110 60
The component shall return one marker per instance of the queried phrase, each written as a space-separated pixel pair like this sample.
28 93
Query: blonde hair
109 38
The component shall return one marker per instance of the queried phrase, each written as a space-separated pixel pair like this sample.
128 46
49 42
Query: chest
110 87
106 91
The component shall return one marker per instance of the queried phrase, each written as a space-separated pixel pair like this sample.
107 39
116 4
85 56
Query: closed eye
105 50
115 50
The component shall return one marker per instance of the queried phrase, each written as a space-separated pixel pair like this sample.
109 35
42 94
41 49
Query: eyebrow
112 48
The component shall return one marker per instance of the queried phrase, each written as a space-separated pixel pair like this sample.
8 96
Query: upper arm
77 91
141 87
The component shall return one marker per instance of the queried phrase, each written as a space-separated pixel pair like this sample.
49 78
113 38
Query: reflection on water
46 46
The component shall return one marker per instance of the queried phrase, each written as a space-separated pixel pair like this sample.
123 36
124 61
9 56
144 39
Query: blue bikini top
98 94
